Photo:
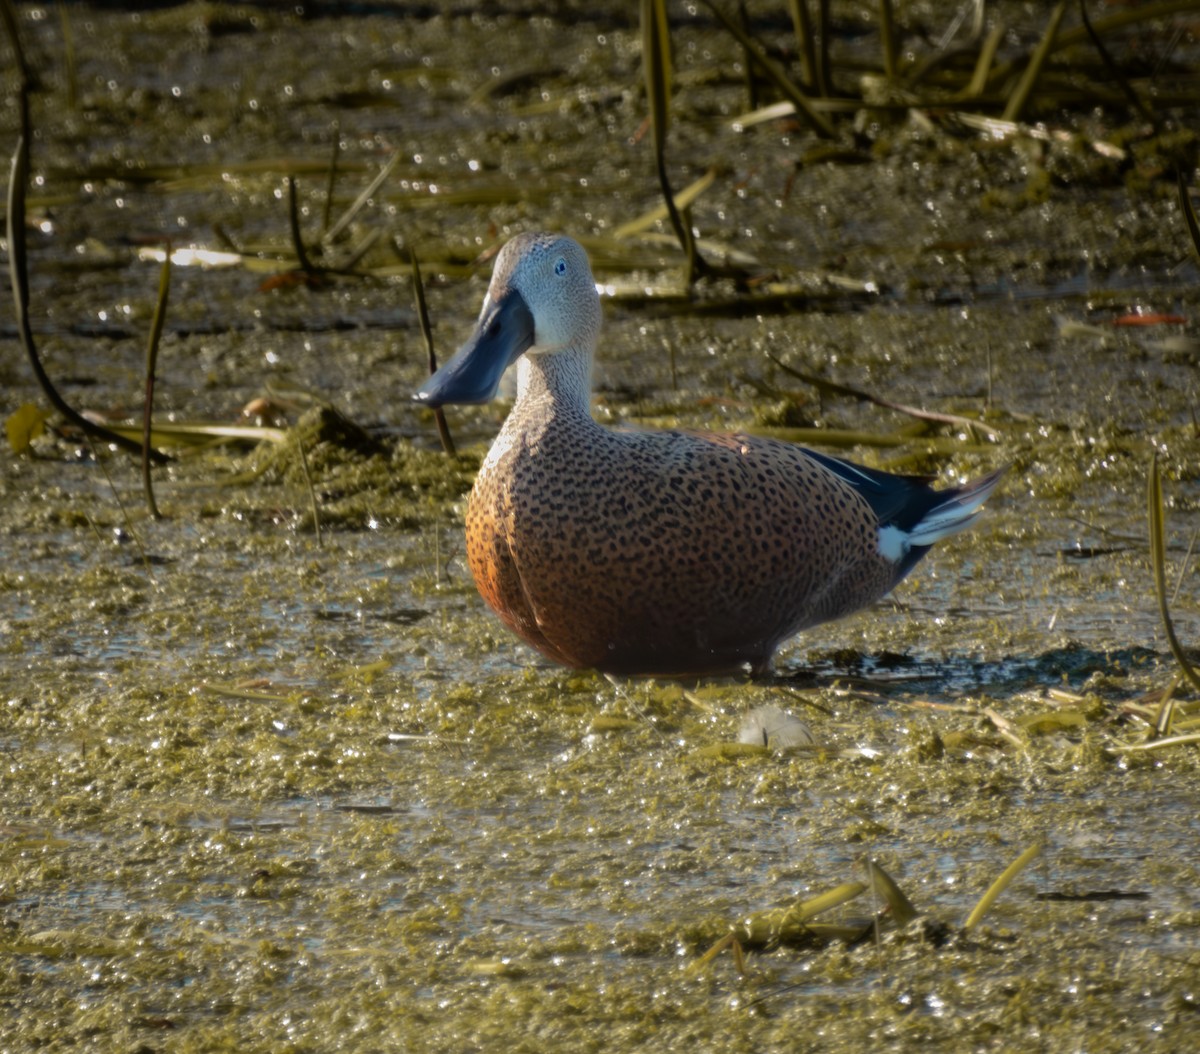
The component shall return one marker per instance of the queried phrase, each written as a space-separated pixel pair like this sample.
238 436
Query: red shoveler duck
659 552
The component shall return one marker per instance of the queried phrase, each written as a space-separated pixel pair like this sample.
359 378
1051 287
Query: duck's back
665 552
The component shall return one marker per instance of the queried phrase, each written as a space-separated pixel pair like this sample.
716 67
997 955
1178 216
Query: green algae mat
271 776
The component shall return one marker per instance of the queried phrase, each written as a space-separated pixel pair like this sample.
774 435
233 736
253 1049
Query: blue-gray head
542 299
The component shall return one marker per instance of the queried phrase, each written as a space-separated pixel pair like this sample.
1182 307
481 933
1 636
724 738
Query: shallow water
268 793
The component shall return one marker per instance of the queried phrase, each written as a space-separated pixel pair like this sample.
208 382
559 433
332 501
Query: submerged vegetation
273 779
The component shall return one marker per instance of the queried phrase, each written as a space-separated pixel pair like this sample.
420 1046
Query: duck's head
542 299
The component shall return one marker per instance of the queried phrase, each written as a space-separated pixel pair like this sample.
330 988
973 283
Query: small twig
1158 561
987 58
824 64
156 328
1114 71
18 262
312 492
656 63
332 181
1158 744
18 271
72 75
883 885
294 218
9 14
887 33
802 24
748 70
912 411
1020 94
356 206
427 334
120 506
1187 557
774 74
1001 884
1166 709
1189 213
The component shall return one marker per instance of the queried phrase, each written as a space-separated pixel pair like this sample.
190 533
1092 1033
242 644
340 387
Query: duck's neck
558 382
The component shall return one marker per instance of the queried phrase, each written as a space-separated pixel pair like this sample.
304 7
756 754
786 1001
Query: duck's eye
560 266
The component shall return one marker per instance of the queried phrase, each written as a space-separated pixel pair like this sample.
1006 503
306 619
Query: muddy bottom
275 782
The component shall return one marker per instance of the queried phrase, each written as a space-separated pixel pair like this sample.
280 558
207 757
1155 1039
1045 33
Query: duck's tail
956 510
946 513
912 515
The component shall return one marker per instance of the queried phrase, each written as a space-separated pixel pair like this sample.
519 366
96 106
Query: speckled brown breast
664 552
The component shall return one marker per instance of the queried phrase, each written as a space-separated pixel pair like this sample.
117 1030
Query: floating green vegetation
272 778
